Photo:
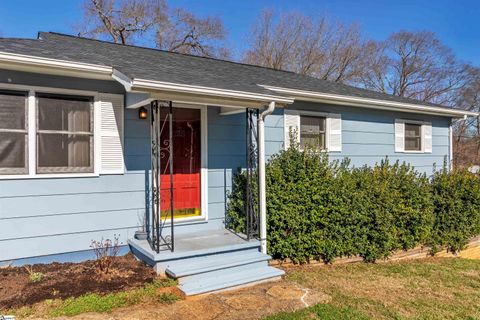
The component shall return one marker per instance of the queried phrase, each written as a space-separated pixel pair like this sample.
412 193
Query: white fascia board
142 84
15 61
370 103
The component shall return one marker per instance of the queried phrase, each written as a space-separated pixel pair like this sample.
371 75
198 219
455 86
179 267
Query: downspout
261 175
450 145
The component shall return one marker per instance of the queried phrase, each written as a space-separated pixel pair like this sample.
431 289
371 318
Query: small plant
168 298
55 292
33 276
105 253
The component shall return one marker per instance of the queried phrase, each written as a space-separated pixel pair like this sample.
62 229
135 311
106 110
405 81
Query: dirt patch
65 280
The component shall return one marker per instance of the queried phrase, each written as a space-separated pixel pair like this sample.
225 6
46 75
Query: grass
436 288
320 311
102 303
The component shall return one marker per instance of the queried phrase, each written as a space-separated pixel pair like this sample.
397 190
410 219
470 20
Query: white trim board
369 103
203 164
28 63
139 84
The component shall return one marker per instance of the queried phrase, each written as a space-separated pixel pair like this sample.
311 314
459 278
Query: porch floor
194 244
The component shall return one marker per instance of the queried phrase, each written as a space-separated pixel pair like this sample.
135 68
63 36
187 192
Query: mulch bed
64 280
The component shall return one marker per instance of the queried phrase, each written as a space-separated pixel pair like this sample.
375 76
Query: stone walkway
253 302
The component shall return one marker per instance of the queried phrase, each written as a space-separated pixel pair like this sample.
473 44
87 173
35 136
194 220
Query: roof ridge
163 51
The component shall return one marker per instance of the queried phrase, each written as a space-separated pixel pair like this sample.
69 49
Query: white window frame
24 131
327 124
32 131
319 114
422 135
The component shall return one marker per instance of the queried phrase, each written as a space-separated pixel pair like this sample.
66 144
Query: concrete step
228 278
198 265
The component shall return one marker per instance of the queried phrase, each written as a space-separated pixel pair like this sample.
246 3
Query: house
99 139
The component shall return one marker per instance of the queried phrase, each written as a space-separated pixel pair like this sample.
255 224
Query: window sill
48 176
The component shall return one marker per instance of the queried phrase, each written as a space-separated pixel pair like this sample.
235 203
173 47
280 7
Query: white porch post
261 175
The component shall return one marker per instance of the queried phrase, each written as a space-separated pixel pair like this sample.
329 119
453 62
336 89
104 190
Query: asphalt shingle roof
158 65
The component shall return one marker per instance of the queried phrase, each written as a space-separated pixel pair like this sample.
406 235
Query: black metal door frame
158 236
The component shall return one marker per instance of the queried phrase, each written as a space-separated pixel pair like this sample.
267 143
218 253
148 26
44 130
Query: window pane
64 153
412 144
314 140
412 130
312 132
12 152
64 113
12 110
413 137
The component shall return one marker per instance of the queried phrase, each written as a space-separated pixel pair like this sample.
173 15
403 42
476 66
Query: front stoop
222 271
216 269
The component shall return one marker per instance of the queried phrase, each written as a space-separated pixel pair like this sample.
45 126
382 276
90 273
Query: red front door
186 140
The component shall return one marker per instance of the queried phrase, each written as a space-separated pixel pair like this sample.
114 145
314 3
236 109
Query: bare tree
317 47
121 21
153 23
414 65
186 33
467 133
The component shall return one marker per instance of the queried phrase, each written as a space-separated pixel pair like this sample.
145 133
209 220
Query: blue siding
368 136
46 217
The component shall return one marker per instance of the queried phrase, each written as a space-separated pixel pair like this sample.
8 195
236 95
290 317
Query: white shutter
111 134
334 127
427 137
291 124
399 136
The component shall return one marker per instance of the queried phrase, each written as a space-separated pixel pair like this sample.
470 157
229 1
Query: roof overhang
369 103
27 63
153 89
231 97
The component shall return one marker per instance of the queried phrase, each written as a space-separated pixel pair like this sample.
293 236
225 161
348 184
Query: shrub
325 209
394 204
456 197
105 253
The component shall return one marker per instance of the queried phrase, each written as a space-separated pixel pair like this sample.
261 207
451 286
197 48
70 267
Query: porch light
142 113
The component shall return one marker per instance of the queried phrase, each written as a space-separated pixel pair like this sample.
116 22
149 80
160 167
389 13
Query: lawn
435 288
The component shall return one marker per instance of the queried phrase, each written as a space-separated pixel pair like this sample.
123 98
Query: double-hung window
313 132
64 134
318 130
13 133
44 133
413 136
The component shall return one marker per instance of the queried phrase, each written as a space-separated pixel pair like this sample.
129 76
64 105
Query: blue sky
455 22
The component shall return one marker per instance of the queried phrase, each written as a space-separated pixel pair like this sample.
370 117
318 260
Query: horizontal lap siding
226 153
368 136
50 216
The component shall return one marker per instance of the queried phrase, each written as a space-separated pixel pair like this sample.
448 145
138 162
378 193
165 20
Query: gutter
369 103
143 84
13 61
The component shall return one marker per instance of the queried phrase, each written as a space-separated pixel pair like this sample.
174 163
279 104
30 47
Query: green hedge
325 209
